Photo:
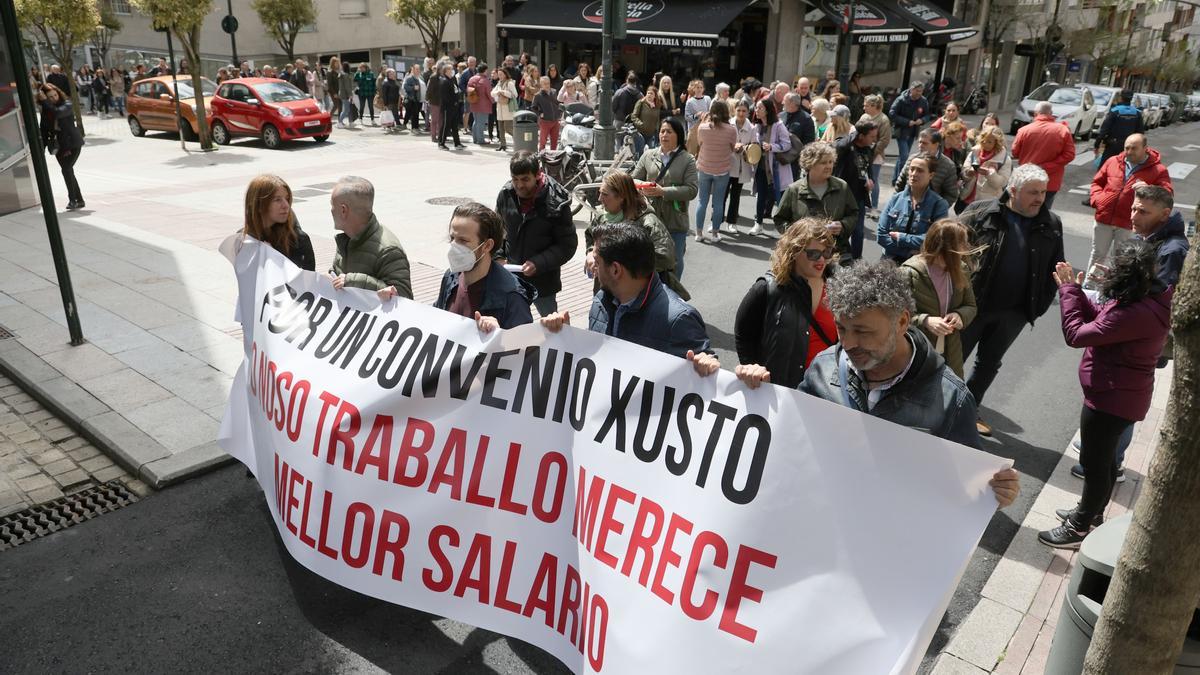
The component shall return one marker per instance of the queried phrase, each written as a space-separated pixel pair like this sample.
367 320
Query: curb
115 436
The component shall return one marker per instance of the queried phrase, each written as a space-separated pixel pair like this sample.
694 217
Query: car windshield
1066 96
279 92
1042 93
1102 96
185 88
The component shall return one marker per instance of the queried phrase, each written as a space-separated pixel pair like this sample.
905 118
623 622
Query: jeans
479 127
335 111
367 104
766 194
994 332
905 145
715 187
1105 240
680 239
875 169
548 131
119 102
544 304
412 114
66 161
856 237
734 195
1099 433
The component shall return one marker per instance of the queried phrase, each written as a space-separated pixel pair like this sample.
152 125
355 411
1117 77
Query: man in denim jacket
885 367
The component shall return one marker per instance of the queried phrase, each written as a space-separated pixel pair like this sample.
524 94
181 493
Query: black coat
58 128
301 252
300 80
772 328
853 165
59 80
390 91
546 235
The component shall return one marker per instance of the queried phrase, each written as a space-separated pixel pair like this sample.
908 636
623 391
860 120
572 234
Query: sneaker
1063 536
1063 514
501 149
983 428
1077 471
756 230
442 147
729 229
716 237
700 237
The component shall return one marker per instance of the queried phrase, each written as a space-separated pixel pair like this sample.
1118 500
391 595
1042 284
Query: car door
239 114
164 108
1088 117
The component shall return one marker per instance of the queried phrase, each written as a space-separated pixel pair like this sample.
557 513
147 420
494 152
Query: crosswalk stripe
1180 170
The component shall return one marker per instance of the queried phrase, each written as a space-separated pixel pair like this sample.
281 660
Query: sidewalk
1011 629
156 300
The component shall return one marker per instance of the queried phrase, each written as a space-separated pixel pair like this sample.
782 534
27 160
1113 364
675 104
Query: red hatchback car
271 109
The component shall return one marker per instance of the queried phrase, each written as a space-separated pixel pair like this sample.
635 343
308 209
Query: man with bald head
804 90
1047 143
1112 195
368 254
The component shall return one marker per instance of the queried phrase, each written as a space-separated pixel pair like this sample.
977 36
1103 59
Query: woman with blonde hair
269 218
784 320
667 98
987 167
530 84
839 124
941 288
620 202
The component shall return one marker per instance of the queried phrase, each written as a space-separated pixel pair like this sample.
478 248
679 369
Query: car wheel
220 134
135 127
270 136
186 131
320 139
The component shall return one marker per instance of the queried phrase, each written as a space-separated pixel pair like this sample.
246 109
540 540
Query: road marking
1085 158
1180 170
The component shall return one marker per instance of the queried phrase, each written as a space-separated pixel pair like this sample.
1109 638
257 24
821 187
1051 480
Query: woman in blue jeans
774 137
713 162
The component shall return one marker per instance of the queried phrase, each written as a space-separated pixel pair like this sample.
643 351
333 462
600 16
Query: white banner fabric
590 496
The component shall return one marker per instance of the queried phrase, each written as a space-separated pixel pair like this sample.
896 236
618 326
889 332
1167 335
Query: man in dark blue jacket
475 286
1155 220
1121 121
633 303
909 112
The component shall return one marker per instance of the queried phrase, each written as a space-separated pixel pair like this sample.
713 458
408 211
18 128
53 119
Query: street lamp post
612 28
229 25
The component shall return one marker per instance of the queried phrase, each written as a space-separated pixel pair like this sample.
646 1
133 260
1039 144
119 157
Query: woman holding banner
784 321
270 219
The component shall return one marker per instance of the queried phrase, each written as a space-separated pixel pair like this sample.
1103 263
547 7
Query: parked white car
1151 113
1073 106
1104 97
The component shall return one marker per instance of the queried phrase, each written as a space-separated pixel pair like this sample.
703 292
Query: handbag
472 95
693 140
792 154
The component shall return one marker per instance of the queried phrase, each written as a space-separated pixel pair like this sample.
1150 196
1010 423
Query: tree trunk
1156 583
191 41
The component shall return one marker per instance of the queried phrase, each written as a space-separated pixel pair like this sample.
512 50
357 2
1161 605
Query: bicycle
588 194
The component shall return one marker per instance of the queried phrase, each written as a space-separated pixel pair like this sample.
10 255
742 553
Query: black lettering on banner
290 315
388 378
273 299
724 413
461 386
355 338
679 465
493 373
333 337
762 446
664 416
564 384
616 411
371 363
427 367
320 312
581 392
541 381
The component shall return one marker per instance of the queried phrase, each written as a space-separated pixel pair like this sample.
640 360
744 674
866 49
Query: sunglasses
815 254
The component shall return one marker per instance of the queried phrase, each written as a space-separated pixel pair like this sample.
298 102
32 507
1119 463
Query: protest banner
592 497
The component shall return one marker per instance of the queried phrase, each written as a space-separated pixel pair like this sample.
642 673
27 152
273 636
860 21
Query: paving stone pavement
42 459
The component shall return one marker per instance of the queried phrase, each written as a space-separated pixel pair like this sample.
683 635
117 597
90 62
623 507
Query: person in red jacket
1112 195
1047 143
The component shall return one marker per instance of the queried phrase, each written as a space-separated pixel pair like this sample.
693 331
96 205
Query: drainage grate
6 334
449 201
38 521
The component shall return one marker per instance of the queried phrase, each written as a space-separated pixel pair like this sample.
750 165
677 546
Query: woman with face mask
475 286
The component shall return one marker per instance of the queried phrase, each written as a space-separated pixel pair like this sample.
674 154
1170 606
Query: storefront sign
880 38
637 11
668 41
925 13
865 16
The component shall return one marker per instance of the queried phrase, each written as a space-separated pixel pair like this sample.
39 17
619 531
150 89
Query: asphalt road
193 578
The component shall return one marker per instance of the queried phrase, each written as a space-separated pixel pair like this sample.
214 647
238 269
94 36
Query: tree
185 19
63 25
1157 579
283 20
109 26
429 17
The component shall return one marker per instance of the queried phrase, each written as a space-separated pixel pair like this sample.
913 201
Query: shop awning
935 24
653 23
873 23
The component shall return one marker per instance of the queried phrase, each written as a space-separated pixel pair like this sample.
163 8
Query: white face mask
461 258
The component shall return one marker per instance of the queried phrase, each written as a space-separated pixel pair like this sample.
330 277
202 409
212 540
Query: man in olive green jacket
368 254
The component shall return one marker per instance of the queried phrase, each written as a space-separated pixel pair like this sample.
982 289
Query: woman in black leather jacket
62 137
784 321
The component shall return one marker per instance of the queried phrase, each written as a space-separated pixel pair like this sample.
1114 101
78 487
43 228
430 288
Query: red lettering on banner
378 450
295 421
364 548
551 514
706 607
506 568
453 452
436 535
510 481
587 507
303 534
281 479
282 379
323 538
583 618
292 500
344 437
669 558
596 637
570 604
328 400
739 590
640 540
474 496
609 524
389 544
409 449
542 592
479 562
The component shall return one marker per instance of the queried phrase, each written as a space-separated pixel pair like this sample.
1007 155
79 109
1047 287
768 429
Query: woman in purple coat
1122 337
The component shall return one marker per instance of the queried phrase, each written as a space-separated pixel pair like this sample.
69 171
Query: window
874 59
352 9
120 7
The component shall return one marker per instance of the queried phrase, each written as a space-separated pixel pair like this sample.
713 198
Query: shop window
876 59
352 9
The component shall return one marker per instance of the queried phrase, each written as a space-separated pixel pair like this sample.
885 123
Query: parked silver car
1151 113
1104 97
1073 106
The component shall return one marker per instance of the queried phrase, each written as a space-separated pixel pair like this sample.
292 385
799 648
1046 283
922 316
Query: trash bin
525 131
1085 594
